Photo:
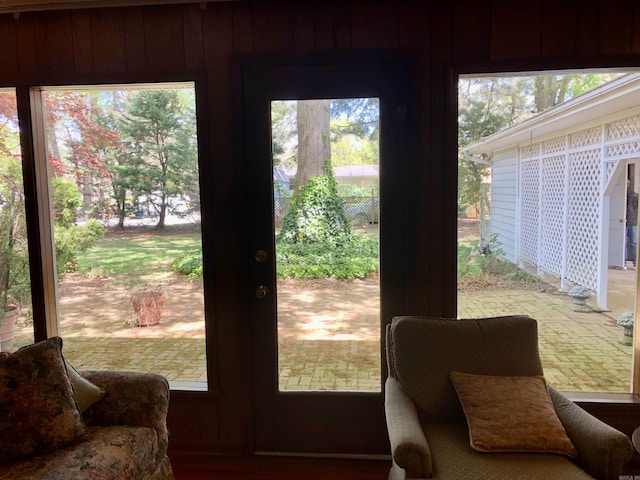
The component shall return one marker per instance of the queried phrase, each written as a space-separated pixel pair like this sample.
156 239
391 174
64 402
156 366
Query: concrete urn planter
626 321
147 308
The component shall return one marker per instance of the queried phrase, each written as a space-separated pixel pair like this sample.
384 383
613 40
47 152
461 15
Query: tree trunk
314 147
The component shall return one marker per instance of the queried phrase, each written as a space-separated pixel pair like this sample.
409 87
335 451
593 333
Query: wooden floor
280 468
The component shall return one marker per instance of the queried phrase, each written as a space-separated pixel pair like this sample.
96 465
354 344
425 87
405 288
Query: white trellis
562 182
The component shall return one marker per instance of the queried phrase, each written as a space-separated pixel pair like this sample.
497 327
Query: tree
158 128
316 213
490 104
314 140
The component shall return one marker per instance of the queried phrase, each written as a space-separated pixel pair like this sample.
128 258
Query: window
544 164
125 206
16 325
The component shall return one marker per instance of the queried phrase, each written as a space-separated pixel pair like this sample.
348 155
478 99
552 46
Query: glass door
317 154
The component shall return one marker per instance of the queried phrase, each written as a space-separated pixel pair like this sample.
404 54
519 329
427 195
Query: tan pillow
87 393
511 414
38 411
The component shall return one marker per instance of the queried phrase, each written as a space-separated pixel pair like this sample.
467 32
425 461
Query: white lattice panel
611 168
625 128
584 138
583 239
530 151
554 145
622 149
529 211
552 214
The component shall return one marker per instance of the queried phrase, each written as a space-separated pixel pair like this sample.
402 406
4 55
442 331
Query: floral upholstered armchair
56 423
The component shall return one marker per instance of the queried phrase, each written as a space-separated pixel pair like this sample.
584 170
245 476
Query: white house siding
504 176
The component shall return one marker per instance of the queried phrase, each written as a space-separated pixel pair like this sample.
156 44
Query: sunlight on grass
142 255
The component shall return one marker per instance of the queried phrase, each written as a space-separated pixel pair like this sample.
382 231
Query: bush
189 264
355 259
480 262
72 240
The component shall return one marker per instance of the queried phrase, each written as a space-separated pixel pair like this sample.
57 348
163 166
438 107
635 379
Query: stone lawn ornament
626 320
580 295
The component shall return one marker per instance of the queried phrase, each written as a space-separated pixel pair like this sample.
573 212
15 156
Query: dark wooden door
299 405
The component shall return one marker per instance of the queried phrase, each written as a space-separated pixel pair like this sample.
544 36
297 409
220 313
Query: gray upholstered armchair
427 426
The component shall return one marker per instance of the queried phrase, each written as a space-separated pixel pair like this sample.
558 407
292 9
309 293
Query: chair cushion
426 350
453 457
38 411
511 414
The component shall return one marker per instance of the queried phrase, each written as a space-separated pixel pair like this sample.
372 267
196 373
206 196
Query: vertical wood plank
134 39
164 38
333 26
615 27
587 28
272 26
413 25
109 51
242 29
9 49
375 25
303 27
82 41
515 29
471 30
635 34
193 37
219 186
436 173
27 57
55 42
558 27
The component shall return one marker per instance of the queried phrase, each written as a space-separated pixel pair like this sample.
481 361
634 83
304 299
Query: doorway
333 405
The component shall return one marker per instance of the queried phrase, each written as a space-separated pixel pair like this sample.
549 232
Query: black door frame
327 422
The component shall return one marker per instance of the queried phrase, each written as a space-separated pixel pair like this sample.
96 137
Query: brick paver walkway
319 351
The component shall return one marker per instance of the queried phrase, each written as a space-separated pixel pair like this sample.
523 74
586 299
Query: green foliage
189 264
14 261
355 259
482 262
317 214
66 201
72 240
158 129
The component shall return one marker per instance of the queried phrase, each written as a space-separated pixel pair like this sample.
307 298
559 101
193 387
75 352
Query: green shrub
189 264
355 259
72 240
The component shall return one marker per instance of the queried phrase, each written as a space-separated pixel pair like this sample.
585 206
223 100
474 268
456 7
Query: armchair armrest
409 447
602 450
131 398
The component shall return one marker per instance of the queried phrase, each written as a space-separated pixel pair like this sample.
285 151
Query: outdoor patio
580 351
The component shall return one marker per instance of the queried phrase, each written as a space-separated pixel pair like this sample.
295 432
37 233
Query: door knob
261 256
262 291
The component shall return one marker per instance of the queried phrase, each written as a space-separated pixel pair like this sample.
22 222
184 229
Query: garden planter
147 308
8 328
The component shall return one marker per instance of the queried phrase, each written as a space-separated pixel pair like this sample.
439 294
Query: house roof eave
618 95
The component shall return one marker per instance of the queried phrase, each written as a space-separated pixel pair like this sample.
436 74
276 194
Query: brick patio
580 351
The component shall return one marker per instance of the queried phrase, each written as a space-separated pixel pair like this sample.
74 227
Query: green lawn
140 256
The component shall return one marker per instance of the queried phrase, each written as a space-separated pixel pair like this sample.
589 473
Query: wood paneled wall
189 42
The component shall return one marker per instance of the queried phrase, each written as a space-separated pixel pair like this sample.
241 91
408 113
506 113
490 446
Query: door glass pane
16 322
126 214
327 213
